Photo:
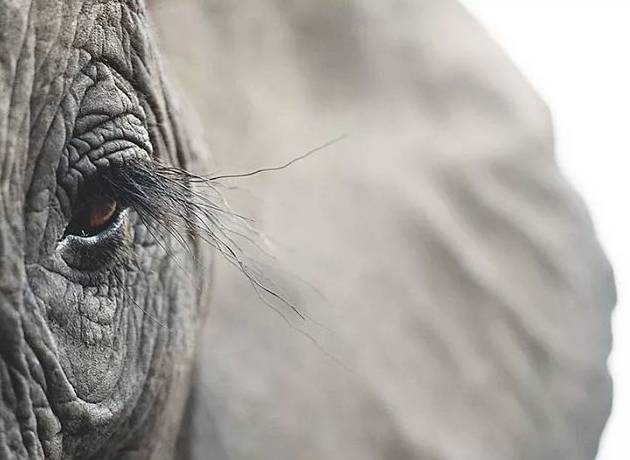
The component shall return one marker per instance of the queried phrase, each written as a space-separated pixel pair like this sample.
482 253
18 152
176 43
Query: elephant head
474 298
101 274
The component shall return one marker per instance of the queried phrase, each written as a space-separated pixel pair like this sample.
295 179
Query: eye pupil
96 213
101 213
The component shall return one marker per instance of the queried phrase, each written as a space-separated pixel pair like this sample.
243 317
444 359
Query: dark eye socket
95 212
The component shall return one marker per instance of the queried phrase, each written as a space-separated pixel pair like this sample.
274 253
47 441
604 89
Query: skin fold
97 334
451 299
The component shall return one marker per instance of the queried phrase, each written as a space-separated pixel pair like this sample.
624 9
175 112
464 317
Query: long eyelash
167 198
284 166
163 198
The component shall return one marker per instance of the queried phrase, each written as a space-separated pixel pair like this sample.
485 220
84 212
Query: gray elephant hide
458 298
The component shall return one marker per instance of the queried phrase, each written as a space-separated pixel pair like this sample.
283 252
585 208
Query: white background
577 55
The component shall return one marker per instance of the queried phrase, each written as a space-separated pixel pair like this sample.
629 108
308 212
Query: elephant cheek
29 428
16 414
91 358
89 343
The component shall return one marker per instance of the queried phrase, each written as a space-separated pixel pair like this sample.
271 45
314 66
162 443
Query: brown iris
101 213
95 214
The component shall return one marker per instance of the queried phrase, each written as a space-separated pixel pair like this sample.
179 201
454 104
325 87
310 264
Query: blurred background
575 53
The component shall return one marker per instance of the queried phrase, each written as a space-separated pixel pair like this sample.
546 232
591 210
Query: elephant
429 286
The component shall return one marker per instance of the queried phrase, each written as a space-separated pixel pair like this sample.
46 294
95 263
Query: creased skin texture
456 269
93 363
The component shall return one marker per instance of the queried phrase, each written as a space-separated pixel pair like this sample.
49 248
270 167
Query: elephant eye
95 213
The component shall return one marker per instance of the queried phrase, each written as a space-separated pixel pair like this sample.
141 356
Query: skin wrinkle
50 48
17 364
62 76
93 404
47 133
471 275
104 74
83 71
14 86
51 151
101 122
8 145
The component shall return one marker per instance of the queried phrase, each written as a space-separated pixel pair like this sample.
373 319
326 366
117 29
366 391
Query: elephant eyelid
160 195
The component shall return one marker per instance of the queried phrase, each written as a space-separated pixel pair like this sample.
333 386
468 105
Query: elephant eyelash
163 196
188 208
166 195
182 205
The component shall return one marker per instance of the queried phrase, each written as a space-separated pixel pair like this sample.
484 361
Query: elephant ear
455 273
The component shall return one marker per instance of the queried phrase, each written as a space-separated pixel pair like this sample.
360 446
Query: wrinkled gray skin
459 275
85 372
